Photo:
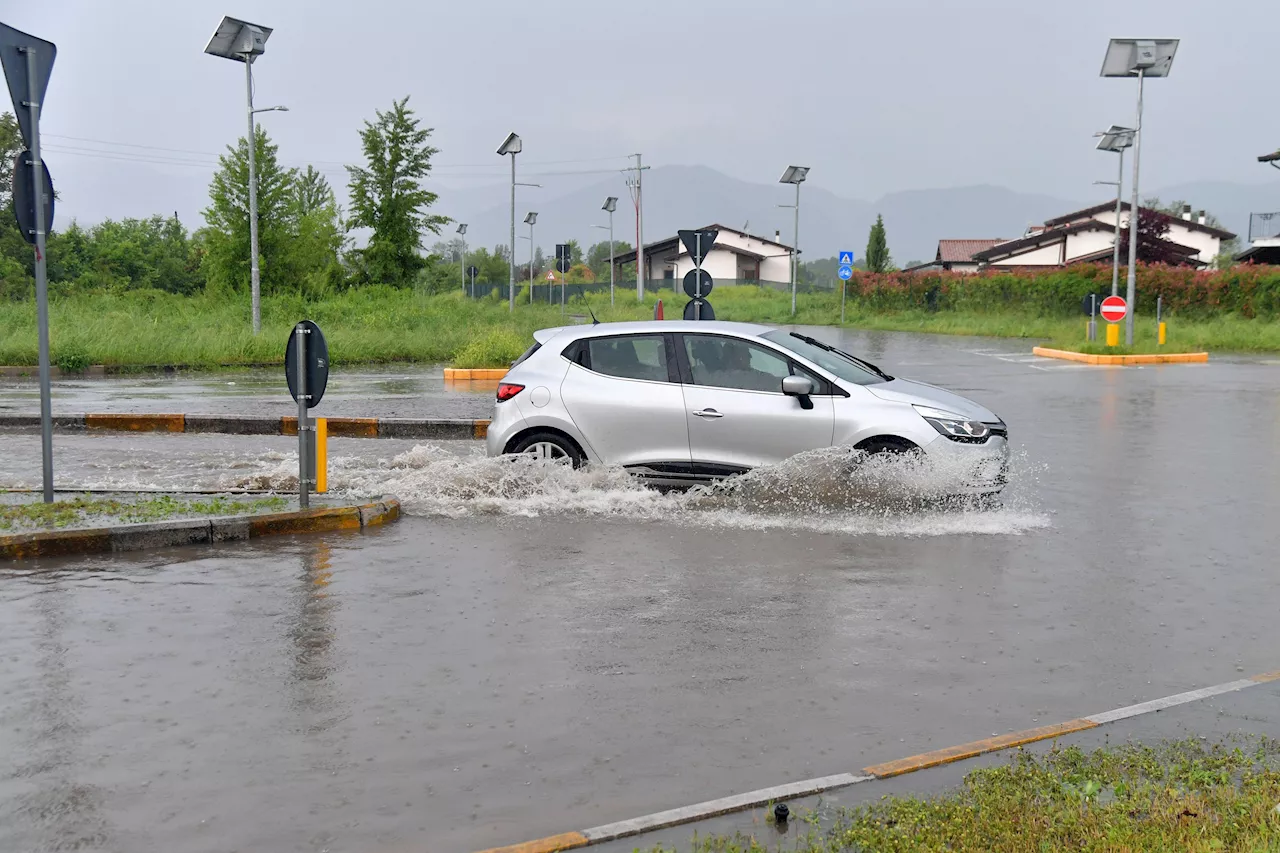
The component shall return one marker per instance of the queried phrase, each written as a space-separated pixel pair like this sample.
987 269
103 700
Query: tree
312 193
10 145
1153 244
1227 250
225 238
878 259
388 196
598 258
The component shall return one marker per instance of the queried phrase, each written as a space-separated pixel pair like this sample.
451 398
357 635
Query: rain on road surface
530 651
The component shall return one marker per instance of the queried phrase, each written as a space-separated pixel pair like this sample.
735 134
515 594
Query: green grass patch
77 511
1184 796
137 329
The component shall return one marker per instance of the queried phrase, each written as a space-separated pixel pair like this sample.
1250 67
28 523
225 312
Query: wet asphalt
472 677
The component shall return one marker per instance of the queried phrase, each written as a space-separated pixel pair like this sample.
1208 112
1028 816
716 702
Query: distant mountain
690 196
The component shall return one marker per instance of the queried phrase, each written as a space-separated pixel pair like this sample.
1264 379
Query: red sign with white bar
1113 309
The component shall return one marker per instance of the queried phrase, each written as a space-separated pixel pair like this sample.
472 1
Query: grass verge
1183 795
142 329
80 510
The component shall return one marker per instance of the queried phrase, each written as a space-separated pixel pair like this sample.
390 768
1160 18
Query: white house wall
1087 242
1045 256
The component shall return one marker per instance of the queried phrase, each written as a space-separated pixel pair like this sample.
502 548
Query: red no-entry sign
1113 309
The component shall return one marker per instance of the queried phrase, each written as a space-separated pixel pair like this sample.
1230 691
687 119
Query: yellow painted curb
977 747
54 543
305 521
1123 360
136 423
480 429
465 374
550 844
349 427
1266 676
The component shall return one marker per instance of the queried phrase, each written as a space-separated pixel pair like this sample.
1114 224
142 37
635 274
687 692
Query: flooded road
534 650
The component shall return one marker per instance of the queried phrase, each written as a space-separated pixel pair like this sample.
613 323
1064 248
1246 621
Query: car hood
920 394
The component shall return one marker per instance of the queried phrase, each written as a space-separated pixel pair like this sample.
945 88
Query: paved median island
1123 360
432 428
32 544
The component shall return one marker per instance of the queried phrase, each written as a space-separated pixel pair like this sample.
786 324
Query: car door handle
708 413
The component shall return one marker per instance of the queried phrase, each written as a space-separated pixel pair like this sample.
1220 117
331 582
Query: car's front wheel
550 447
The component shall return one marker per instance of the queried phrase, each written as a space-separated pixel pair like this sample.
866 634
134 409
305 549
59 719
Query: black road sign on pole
699 309
564 257
13 56
24 197
317 359
473 272
697 284
699 243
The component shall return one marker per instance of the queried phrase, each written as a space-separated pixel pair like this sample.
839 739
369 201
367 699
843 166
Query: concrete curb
437 428
196 531
1122 360
935 758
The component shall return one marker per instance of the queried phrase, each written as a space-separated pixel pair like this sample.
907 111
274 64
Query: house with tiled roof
1082 236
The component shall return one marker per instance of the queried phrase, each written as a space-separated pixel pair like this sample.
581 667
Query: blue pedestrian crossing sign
846 259
845 272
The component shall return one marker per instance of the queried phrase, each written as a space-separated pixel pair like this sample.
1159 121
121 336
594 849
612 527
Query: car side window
630 357
731 363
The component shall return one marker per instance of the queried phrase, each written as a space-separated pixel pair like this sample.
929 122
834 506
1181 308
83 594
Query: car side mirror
799 387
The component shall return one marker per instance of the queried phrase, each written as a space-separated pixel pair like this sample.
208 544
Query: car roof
752 330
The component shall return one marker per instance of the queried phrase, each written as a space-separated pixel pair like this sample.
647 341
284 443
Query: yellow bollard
322 455
1161 335
1113 334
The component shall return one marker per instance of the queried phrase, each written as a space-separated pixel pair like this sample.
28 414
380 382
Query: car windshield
843 365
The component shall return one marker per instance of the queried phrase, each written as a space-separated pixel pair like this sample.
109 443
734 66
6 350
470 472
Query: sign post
697 282
473 271
306 368
564 260
1113 310
27 62
845 271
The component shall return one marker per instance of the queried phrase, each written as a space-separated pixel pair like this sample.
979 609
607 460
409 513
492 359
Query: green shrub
494 348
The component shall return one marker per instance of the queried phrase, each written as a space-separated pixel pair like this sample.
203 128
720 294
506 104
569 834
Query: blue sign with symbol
846 259
846 272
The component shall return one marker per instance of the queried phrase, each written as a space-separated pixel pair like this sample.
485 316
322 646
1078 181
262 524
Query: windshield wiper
862 363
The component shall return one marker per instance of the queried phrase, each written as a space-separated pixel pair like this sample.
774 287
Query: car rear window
530 351
630 357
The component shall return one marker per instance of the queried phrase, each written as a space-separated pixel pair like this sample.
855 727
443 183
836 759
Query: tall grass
373 325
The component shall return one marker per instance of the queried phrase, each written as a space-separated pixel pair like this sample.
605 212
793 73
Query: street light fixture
512 145
529 220
243 42
1116 139
1141 58
795 175
462 261
1273 159
610 205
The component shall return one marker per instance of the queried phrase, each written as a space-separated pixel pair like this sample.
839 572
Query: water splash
828 490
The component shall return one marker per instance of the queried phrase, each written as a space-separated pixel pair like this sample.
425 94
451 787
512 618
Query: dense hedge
1248 290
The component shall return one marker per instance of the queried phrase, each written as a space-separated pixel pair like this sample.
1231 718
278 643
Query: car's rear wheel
549 447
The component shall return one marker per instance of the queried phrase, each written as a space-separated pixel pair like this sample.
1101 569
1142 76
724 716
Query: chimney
777 236
1186 212
1201 219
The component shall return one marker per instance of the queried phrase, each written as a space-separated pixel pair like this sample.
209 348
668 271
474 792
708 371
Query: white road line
1170 701
724 805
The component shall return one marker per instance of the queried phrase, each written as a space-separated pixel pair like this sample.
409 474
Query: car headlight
953 426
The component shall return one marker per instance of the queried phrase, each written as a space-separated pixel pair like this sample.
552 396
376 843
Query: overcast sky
874 96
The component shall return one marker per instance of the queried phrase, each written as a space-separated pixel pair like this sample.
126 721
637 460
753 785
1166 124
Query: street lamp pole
462 261
531 219
610 205
795 175
512 145
1116 139
1143 58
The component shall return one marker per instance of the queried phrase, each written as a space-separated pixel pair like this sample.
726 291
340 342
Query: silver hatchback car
680 403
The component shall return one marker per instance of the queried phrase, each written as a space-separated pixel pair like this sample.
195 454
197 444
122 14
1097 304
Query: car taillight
507 390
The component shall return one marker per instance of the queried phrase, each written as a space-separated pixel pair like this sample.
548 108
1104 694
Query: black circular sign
697 284
1096 299
24 196
706 312
317 362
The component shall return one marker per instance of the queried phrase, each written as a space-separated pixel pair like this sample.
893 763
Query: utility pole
635 184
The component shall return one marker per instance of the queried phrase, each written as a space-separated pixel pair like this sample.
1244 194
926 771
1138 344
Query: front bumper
970 469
